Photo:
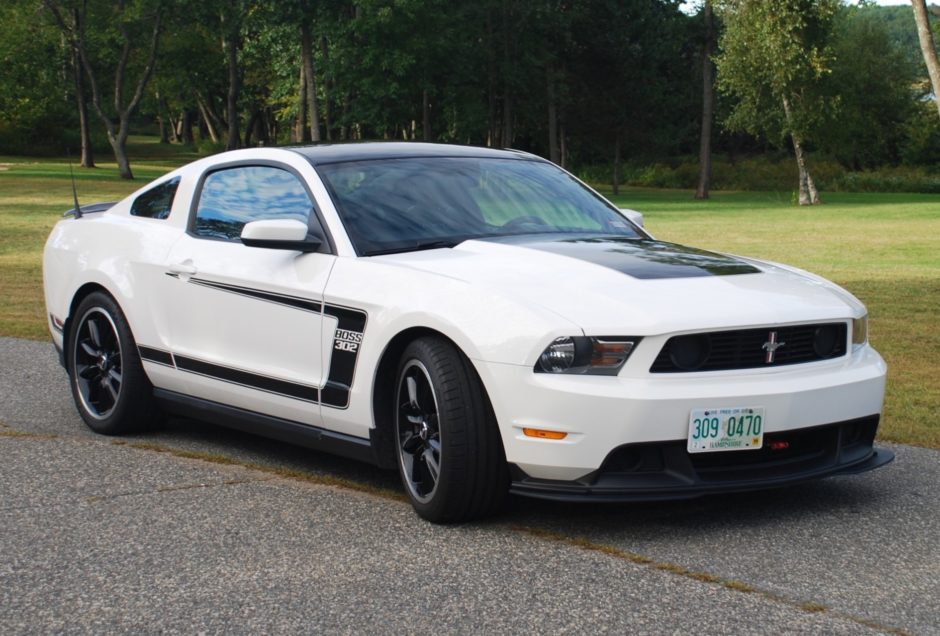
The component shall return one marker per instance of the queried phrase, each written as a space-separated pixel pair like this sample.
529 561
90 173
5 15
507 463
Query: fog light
689 352
825 340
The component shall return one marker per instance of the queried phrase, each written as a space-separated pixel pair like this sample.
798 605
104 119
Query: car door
245 322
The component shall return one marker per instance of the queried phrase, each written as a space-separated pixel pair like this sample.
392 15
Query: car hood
609 285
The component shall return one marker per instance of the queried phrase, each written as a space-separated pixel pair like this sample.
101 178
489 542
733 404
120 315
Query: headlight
602 355
859 331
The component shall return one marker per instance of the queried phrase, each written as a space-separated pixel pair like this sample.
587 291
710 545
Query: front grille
747 348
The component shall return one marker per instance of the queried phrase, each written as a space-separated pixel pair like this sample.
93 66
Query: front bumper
601 414
660 471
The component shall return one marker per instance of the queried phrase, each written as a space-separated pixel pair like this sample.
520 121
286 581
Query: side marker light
539 433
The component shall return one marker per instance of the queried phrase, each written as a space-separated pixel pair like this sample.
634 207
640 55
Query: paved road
104 537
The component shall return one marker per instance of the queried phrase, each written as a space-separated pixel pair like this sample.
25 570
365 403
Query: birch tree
927 47
773 60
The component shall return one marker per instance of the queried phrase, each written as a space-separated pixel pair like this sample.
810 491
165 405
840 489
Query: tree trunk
708 106
162 126
345 131
552 119
327 88
927 47
492 136
250 127
231 45
425 116
88 159
507 122
306 56
616 180
230 27
186 127
118 140
808 193
164 111
300 132
207 119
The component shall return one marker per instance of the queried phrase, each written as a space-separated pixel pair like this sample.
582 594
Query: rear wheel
110 388
450 455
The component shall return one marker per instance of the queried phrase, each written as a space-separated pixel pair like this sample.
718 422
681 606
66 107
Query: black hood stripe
639 258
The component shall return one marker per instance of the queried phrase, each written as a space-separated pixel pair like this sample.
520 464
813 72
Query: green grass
885 248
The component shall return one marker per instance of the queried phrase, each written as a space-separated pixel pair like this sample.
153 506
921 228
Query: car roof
320 154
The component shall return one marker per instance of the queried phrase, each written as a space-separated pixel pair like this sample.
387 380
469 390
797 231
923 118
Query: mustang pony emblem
771 347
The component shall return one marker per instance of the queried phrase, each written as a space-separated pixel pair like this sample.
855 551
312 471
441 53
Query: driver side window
232 197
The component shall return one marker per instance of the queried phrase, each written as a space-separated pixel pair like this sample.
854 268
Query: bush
768 172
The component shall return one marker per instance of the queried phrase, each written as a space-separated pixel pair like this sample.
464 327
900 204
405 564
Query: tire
450 455
109 386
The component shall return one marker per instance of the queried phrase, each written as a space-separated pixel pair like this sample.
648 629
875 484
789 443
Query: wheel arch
383 389
80 294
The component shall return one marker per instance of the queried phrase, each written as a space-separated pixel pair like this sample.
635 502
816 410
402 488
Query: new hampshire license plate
728 429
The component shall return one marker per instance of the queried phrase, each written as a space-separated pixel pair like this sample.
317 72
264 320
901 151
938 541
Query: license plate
728 429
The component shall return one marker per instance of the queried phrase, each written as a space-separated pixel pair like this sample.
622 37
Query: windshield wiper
415 247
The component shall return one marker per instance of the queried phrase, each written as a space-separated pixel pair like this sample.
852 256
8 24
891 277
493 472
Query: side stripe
350 329
248 379
157 356
281 299
347 341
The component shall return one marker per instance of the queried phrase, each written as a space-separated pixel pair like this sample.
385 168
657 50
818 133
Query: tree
708 104
130 23
774 57
36 114
927 47
871 80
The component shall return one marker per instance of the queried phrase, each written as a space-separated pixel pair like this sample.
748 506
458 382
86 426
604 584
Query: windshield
398 205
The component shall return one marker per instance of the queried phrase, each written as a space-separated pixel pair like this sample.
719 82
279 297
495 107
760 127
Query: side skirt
267 426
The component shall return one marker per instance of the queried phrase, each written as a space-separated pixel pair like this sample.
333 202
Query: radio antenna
78 209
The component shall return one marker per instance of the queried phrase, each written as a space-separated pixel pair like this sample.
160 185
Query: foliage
871 80
36 113
771 52
771 172
586 76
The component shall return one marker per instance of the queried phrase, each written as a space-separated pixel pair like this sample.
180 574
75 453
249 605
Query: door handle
186 268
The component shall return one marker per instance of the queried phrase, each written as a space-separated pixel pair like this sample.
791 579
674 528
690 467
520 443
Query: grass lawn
885 248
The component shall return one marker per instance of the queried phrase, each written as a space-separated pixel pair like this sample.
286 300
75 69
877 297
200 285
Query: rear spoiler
92 208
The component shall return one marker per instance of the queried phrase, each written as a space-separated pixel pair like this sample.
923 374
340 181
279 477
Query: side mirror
280 234
633 215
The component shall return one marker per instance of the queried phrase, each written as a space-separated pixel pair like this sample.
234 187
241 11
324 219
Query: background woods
619 90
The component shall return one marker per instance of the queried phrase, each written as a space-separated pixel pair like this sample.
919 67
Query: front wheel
110 388
450 455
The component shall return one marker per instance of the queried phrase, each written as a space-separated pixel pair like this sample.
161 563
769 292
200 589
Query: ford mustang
480 319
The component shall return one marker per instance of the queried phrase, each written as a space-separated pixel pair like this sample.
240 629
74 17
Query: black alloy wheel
97 355
110 388
419 434
450 454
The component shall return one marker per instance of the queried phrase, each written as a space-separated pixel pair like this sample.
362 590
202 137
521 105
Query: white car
479 318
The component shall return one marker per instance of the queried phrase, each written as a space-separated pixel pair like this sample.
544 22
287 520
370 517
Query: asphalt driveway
198 529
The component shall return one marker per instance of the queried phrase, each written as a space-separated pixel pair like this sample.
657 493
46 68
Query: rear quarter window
156 202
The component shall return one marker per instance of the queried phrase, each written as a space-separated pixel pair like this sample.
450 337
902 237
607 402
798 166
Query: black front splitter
625 489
